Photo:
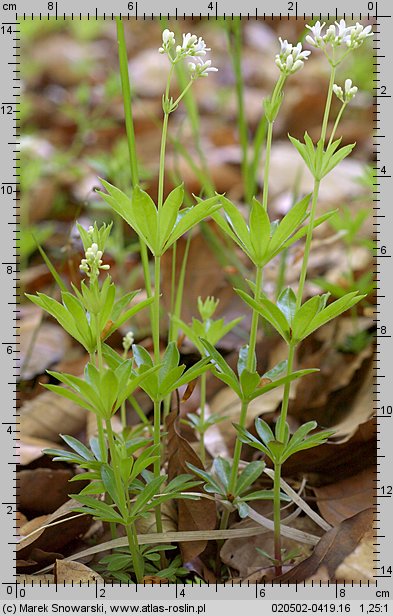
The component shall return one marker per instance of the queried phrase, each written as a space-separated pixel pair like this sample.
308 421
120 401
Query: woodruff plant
118 466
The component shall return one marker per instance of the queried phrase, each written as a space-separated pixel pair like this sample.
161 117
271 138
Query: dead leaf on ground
43 490
49 415
334 550
344 499
242 555
226 403
204 276
68 572
41 578
42 344
192 515
55 537
30 449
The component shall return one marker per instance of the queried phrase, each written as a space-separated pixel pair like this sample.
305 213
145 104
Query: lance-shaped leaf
332 311
73 322
167 216
270 311
191 217
221 368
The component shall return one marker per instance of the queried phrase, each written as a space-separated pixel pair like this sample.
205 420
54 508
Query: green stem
277 519
131 534
173 293
202 417
254 323
157 463
100 427
339 116
269 140
285 399
162 161
328 104
127 100
280 428
156 309
182 95
236 56
235 463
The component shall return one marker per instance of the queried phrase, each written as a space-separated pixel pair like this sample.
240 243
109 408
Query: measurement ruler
359 596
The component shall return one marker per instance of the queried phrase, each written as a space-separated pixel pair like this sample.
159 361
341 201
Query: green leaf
222 367
77 446
333 310
304 317
264 431
207 477
277 370
168 213
193 373
109 481
304 152
242 360
289 224
259 231
144 498
247 477
334 160
287 304
249 382
264 495
238 224
222 470
269 311
282 381
192 217
247 438
146 216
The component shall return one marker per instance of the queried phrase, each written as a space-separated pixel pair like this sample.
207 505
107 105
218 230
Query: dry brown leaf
67 572
43 490
30 448
20 520
48 415
334 548
41 343
344 499
226 403
359 565
241 554
192 515
55 537
204 276
41 578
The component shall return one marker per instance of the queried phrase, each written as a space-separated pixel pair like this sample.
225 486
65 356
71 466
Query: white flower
128 340
168 41
192 47
338 35
316 39
349 91
92 262
358 35
200 68
290 59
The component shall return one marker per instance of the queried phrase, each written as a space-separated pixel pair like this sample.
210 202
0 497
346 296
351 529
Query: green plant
118 466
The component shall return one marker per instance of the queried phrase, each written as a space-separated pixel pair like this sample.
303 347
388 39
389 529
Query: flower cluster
128 340
92 262
291 58
338 35
192 47
348 93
